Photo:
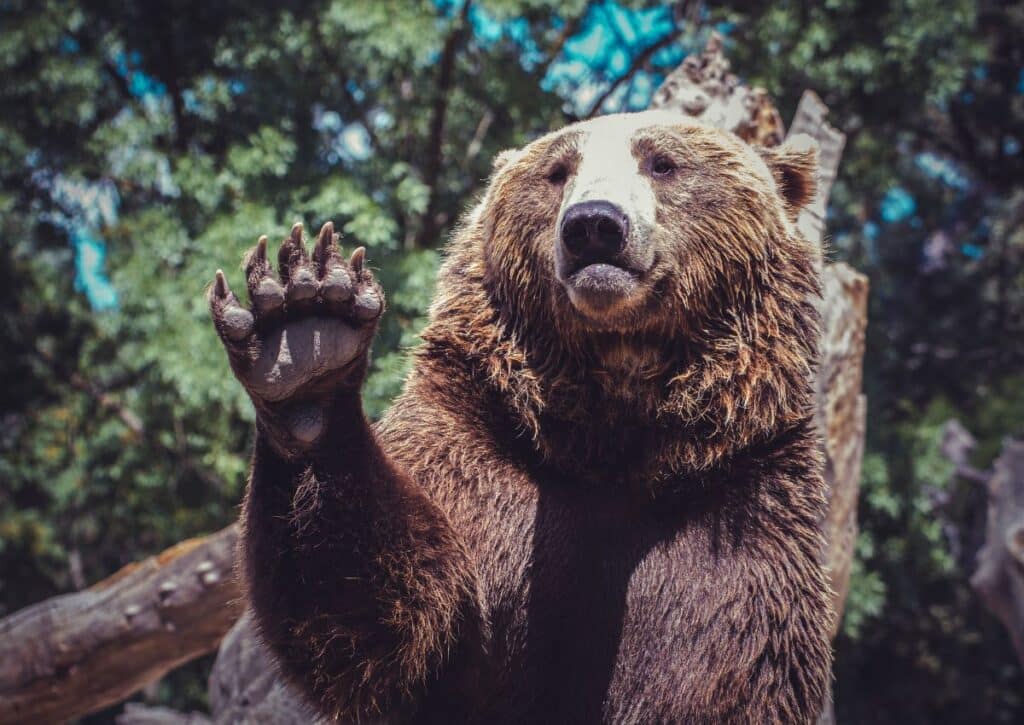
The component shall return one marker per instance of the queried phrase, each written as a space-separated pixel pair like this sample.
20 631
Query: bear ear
502 160
794 166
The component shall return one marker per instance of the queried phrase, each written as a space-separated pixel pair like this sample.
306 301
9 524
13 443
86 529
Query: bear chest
600 609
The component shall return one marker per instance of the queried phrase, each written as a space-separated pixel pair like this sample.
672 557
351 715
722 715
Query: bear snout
599 261
594 232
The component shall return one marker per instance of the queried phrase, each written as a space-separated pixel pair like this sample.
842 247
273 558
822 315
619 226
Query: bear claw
356 260
221 288
326 242
236 323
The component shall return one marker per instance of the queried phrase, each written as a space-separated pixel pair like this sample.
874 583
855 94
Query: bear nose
595 231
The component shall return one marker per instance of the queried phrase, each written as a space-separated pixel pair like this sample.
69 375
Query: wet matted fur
569 514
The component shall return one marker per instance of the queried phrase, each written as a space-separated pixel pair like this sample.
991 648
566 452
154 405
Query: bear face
639 221
636 289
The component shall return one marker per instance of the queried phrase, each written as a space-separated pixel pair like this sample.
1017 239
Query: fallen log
78 653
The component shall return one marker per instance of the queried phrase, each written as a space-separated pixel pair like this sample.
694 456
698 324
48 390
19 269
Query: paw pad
306 326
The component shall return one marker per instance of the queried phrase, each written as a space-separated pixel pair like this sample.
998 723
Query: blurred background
143 145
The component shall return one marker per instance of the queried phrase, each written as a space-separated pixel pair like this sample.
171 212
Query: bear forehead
627 124
612 139
621 129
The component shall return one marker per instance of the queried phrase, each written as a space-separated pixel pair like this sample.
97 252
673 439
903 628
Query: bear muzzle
596 257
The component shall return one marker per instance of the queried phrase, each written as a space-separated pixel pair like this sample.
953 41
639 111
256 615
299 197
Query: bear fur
577 510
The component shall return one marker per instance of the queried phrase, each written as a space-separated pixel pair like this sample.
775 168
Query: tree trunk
999 578
842 411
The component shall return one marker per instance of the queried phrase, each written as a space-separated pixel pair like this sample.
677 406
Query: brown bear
598 497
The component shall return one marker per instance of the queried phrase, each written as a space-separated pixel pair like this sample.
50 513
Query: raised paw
308 328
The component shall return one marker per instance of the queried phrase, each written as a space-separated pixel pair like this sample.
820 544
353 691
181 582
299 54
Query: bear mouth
601 285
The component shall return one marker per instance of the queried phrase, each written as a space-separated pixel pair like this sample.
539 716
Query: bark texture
77 653
705 87
999 578
841 413
245 687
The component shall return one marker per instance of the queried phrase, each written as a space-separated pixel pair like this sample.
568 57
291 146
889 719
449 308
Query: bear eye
558 175
662 166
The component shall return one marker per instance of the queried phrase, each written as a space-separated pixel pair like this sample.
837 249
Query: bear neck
657 411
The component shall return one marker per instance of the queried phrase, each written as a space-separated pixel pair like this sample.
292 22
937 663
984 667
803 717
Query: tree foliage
144 145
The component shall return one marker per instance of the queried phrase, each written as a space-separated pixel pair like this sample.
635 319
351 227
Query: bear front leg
360 587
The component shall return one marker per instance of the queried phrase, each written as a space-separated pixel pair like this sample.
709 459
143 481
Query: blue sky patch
972 251
609 40
897 205
937 167
90 275
140 85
